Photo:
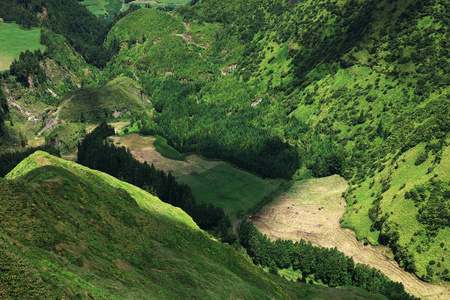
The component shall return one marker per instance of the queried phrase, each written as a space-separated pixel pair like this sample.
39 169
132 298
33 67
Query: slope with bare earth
311 210
71 232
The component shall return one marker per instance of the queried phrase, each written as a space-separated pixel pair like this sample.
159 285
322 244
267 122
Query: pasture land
14 40
215 182
311 210
103 8
159 3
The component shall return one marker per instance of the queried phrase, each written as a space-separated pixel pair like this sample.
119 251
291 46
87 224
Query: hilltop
68 231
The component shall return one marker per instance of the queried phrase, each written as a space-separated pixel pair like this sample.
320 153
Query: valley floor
311 210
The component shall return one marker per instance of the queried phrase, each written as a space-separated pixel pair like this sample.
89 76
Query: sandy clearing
311 210
142 149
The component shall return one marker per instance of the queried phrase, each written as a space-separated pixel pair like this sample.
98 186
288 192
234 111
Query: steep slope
358 88
84 233
68 231
370 79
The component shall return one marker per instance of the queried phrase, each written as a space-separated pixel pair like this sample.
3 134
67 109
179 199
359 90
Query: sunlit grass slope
71 232
144 199
83 233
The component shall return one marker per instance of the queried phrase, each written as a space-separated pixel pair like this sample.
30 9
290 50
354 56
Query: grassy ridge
75 232
143 198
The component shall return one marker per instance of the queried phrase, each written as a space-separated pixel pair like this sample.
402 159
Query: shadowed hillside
68 231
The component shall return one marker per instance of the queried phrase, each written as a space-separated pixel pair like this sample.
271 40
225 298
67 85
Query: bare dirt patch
311 210
142 149
122 265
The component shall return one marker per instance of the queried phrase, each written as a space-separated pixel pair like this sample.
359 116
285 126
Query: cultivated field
311 210
159 3
14 40
215 182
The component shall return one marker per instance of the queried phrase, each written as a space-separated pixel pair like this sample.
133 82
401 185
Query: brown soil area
142 149
311 210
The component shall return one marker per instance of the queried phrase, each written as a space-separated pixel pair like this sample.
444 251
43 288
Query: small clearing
311 210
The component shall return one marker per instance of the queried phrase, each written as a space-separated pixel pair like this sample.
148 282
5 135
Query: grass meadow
14 40
212 181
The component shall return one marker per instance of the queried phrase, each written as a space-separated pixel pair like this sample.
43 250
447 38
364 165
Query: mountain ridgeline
280 88
71 232
68 231
94 152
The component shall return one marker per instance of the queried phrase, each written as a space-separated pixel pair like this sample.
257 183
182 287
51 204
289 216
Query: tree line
4 109
330 266
96 153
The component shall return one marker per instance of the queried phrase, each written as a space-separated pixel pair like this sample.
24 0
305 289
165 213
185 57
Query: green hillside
280 88
89 234
119 97
71 232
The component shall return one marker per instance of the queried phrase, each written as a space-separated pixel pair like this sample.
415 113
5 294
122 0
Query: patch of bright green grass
103 8
95 10
228 187
14 40
165 149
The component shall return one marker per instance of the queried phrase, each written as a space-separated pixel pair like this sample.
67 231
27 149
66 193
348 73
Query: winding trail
53 119
311 210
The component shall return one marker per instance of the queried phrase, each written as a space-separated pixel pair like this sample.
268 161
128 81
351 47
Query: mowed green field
14 40
212 181
159 3
226 186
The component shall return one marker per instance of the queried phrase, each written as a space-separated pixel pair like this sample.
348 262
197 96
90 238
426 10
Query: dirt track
311 210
